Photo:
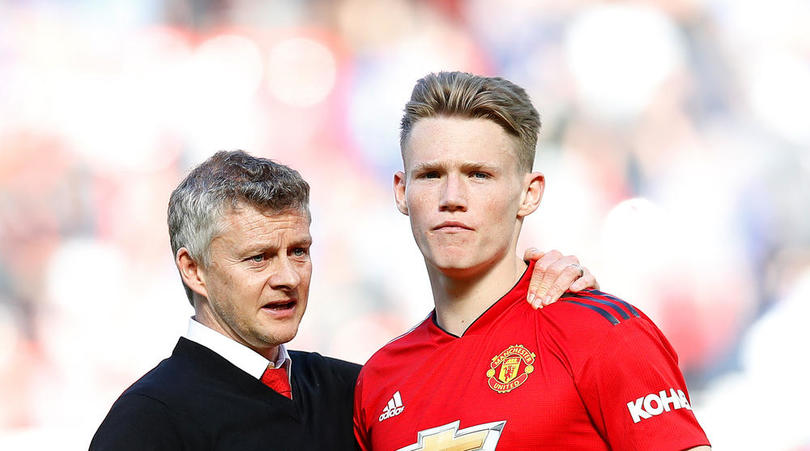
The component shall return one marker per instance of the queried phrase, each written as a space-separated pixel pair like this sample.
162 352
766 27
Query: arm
360 429
628 377
555 274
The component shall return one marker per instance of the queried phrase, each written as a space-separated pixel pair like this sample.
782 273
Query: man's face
463 191
257 281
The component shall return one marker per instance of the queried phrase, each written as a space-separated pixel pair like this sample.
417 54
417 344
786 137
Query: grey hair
222 183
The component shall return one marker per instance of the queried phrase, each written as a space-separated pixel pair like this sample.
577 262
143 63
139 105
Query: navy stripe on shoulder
598 310
615 307
632 309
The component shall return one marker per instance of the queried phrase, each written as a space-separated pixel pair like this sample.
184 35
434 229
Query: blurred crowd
675 145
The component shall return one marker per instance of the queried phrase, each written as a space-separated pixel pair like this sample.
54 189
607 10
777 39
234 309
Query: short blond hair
467 95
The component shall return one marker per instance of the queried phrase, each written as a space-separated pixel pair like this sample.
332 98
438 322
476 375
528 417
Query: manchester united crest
509 369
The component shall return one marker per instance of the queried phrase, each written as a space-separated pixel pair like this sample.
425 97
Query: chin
455 266
462 264
279 335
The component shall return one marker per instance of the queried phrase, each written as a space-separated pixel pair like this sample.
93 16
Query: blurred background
675 144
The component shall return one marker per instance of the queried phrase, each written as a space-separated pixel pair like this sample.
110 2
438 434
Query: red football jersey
589 372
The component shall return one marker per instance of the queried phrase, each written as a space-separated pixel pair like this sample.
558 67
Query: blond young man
484 370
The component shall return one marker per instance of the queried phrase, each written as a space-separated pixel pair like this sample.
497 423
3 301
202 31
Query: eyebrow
465 166
474 166
265 246
427 166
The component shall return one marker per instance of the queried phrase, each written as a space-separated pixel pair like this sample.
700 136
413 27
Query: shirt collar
238 354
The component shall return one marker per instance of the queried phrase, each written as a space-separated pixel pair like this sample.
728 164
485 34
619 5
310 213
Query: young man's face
257 281
464 192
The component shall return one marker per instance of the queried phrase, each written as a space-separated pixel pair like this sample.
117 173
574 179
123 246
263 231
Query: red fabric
569 375
277 380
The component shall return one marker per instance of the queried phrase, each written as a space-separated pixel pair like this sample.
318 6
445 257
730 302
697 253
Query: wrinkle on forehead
247 225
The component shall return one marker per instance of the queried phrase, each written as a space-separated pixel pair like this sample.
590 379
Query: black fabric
197 400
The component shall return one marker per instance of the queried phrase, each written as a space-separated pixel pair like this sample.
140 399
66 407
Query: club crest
510 369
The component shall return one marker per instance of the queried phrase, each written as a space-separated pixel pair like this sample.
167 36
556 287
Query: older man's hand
554 274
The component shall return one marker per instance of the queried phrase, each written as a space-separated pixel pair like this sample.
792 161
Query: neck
461 297
203 315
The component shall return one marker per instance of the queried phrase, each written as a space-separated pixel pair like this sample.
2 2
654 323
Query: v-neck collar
516 293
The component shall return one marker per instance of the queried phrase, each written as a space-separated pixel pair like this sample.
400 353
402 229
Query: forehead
446 139
246 222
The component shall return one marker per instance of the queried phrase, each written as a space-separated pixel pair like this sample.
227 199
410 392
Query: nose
285 275
453 195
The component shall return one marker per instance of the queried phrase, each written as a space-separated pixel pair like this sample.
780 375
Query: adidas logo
393 408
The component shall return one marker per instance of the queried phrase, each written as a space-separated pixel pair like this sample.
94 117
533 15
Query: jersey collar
515 295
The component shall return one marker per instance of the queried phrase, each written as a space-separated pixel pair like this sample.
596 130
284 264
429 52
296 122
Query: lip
280 309
450 226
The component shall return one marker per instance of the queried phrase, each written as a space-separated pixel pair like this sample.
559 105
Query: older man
239 229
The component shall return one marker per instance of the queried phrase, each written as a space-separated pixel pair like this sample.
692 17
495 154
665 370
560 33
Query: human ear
192 273
534 183
399 192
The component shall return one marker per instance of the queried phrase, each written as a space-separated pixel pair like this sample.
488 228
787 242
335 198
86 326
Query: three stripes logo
393 408
609 307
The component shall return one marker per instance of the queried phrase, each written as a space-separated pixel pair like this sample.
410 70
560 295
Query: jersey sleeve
634 391
361 433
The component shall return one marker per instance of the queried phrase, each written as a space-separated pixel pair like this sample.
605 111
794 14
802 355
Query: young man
483 370
239 231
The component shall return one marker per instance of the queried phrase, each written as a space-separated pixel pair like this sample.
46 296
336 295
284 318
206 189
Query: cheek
417 210
306 275
501 207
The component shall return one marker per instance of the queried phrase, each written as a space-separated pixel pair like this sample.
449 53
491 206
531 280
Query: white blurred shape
47 437
755 26
220 102
779 93
381 91
769 351
768 394
102 97
301 72
9 335
227 66
633 226
376 108
82 276
636 230
619 55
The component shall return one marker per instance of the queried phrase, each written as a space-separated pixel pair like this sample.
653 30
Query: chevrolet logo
482 437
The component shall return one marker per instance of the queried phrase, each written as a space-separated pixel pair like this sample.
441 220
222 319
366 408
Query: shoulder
403 348
189 366
593 310
313 362
161 380
168 384
141 417
590 319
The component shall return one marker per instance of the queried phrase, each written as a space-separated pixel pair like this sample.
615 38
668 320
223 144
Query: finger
532 253
551 275
586 281
568 273
536 287
550 266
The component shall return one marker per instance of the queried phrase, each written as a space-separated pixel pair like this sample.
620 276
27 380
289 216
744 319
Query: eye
300 251
429 175
258 258
479 175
